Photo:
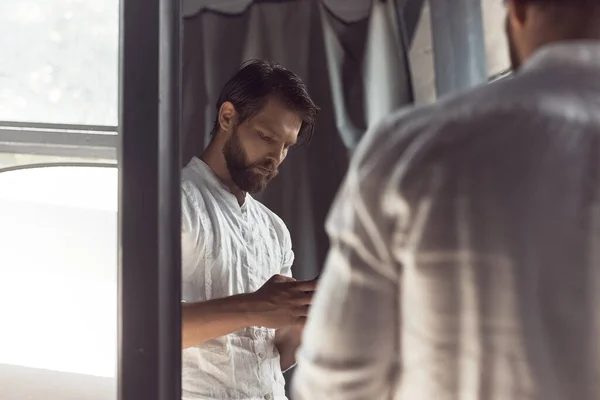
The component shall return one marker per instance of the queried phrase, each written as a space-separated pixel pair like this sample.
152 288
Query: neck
564 24
213 157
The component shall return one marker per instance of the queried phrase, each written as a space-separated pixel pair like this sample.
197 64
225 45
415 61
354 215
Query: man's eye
265 138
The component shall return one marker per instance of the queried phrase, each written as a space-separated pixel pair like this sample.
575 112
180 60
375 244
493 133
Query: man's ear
517 12
227 116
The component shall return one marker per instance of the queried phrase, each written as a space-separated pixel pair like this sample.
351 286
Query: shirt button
261 355
268 396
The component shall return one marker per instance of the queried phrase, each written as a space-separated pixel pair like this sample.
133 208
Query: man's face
257 147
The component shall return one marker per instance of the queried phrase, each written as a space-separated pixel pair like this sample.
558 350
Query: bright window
58 199
58 269
59 61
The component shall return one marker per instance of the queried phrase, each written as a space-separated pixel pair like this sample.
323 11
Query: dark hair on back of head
255 82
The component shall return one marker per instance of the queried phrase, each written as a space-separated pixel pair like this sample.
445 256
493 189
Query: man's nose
277 156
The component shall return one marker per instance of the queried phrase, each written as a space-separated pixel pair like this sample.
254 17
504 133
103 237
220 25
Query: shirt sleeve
192 242
288 254
349 348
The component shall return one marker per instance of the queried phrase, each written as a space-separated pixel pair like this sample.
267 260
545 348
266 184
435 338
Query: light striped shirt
228 249
465 259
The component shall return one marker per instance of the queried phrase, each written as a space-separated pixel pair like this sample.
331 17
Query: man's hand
287 341
283 302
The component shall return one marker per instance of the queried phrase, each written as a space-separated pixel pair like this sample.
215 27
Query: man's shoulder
190 191
195 183
409 133
194 201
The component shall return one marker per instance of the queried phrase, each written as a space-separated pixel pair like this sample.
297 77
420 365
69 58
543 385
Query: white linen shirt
229 249
465 259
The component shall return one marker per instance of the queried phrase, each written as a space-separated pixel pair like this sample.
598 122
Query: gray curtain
350 54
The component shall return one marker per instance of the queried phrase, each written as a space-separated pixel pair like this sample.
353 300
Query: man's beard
515 60
244 174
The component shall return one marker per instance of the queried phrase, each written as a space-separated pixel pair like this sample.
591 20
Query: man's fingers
305 286
302 298
302 311
300 321
282 278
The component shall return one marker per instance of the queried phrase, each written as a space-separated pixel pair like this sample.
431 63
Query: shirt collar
201 168
583 52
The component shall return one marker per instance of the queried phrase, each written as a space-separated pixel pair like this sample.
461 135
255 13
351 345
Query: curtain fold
387 80
458 45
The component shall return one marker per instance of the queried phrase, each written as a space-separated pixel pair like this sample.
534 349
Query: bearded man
465 241
243 313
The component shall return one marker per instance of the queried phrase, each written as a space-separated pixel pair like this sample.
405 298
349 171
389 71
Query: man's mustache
269 166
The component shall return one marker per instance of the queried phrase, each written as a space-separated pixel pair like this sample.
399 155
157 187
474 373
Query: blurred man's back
465 260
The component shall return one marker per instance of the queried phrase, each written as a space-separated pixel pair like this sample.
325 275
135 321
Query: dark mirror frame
149 285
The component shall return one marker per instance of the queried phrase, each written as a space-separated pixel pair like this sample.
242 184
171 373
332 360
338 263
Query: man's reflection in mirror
243 313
